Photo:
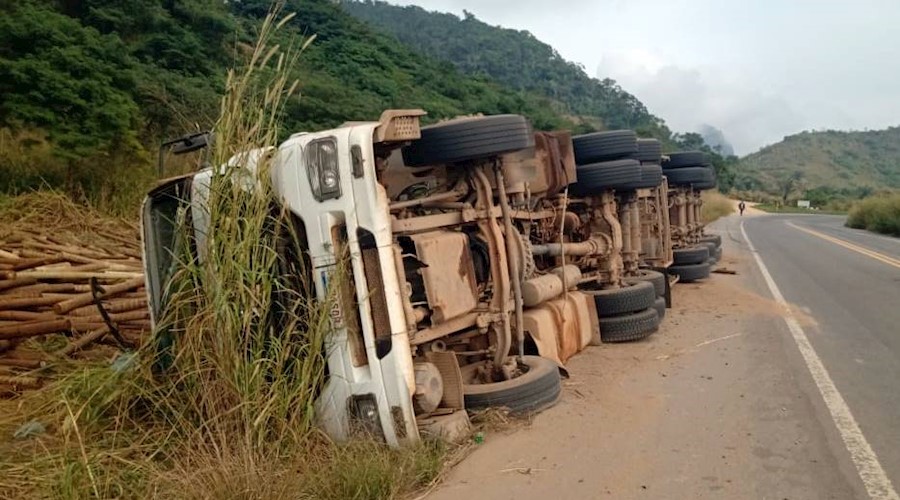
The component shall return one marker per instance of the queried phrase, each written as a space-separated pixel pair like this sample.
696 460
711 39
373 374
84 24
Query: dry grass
54 212
715 205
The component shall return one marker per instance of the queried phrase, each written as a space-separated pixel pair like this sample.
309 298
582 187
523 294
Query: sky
758 70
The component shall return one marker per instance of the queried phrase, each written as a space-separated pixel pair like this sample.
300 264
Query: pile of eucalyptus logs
62 298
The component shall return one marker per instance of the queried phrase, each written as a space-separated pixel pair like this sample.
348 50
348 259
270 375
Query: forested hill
832 162
89 87
514 58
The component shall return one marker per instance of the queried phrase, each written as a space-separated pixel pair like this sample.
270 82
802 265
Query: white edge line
872 474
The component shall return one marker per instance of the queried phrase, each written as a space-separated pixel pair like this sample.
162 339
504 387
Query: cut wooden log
7 304
76 275
33 263
15 282
83 341
26 315
28 364
113 306
87 298
20 382
33 328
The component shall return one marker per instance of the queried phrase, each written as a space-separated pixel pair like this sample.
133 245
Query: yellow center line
850 246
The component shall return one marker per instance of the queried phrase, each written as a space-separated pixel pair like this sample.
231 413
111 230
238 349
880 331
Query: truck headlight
322 168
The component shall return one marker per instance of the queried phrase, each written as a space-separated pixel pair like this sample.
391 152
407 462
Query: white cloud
758 70
688 98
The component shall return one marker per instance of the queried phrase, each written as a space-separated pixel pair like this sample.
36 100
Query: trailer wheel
657 279
596 177
715 238
604 146
635 296
689 273
692 255
711 245
469 139
688 176
628 327
535 390
648 151
686 159
660 306
651 176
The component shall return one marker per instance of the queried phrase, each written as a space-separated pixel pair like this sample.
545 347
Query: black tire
705 186
688 176
686 159
692 255
535 390
633 297
629 327
718 254
651 176
604 146
660 306
711 245
691 272
655 278
715 238
597 177
648 151
469 139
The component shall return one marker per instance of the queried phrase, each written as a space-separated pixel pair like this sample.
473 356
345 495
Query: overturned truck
447 306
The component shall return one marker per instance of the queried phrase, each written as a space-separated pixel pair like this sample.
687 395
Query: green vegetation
520 61
880 214
514 58
220 403
88 89
825 166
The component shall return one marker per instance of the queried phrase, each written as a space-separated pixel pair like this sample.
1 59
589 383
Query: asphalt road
721 403
848 282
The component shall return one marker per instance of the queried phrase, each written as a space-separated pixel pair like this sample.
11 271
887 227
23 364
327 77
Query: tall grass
880 214
221 403
715 205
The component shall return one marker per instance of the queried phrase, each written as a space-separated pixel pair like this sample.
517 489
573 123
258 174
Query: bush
715 205
880 214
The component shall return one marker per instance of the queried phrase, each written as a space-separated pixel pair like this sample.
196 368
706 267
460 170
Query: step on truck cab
432 321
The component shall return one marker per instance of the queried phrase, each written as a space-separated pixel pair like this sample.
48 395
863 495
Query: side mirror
183 145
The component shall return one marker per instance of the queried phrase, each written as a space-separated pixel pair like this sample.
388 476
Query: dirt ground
708 407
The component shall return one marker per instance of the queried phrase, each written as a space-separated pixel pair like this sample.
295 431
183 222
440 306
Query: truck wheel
651 176
535 390
633 297
469 139
687 176
597 177
648 151
627 327
711 245
604 146
686 159
689 273
657 279
692 255
660 306
715 238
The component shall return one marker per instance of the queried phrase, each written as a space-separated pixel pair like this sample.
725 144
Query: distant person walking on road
741 207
